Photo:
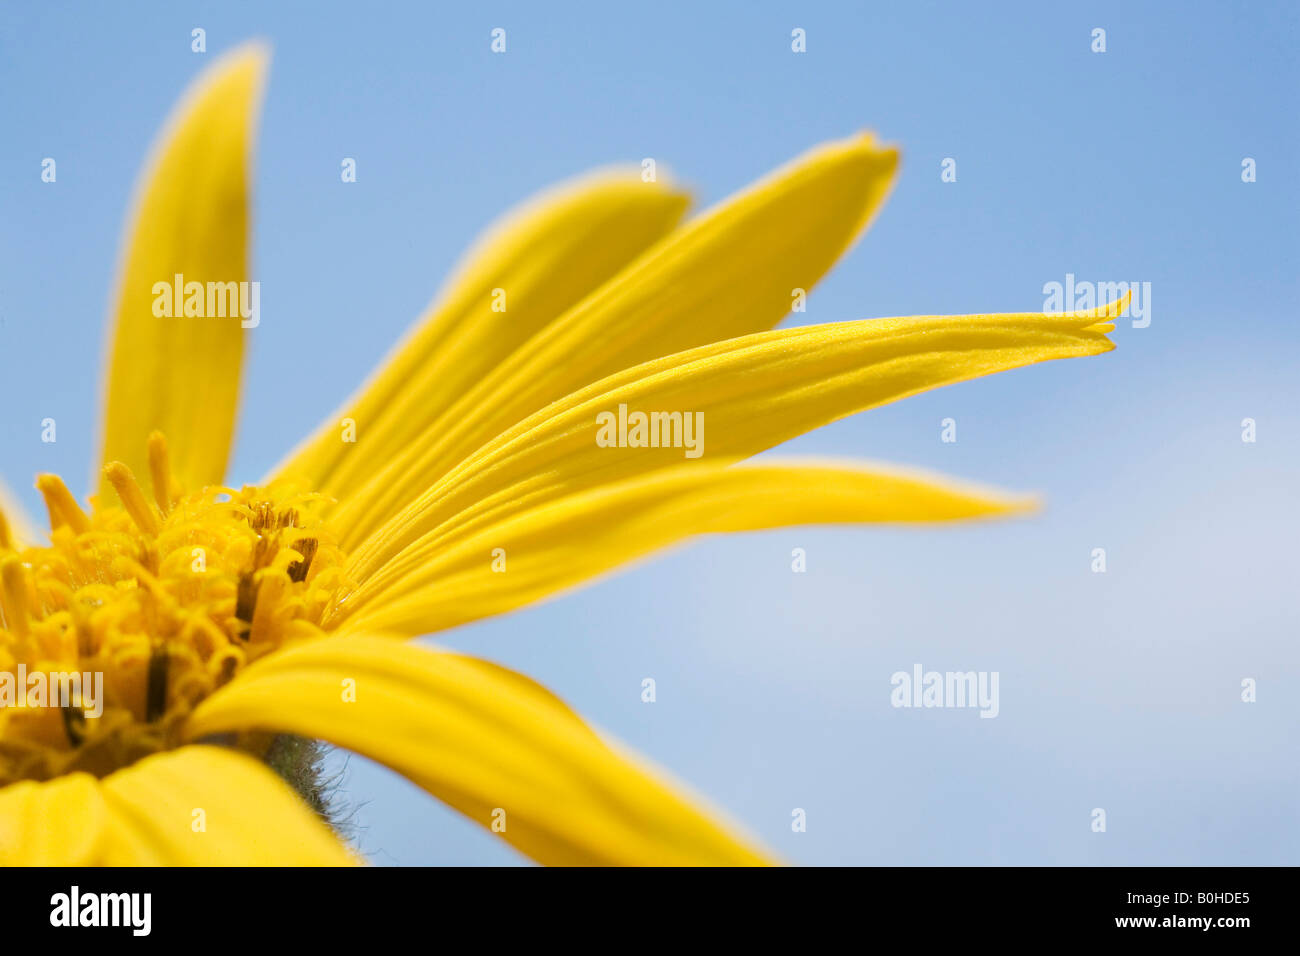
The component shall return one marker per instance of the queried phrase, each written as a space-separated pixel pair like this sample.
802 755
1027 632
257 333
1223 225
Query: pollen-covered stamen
164 599
269 597
133 499
160 472
13 596
60 504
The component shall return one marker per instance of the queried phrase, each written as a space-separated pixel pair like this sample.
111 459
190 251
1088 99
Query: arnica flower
463 480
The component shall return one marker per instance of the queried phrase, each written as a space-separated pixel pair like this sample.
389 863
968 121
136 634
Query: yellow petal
181 374
731 272
197 806
440 584
210 806
752 392
528 269
60 823
487 741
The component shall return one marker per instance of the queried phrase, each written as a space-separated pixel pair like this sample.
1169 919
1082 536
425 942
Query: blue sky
1118 690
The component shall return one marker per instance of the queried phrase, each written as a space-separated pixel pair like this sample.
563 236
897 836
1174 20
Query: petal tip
886 155
1024 505
245 65
253 55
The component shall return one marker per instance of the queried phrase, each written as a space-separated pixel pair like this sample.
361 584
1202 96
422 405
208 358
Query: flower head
530 434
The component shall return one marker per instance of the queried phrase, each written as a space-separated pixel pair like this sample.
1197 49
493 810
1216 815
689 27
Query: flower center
136 612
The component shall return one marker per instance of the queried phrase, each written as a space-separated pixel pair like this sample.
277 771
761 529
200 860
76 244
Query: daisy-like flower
464 480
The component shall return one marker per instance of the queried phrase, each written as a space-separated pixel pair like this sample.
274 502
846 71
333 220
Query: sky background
1118 690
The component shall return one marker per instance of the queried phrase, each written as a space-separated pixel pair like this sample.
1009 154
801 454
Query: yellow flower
466 479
